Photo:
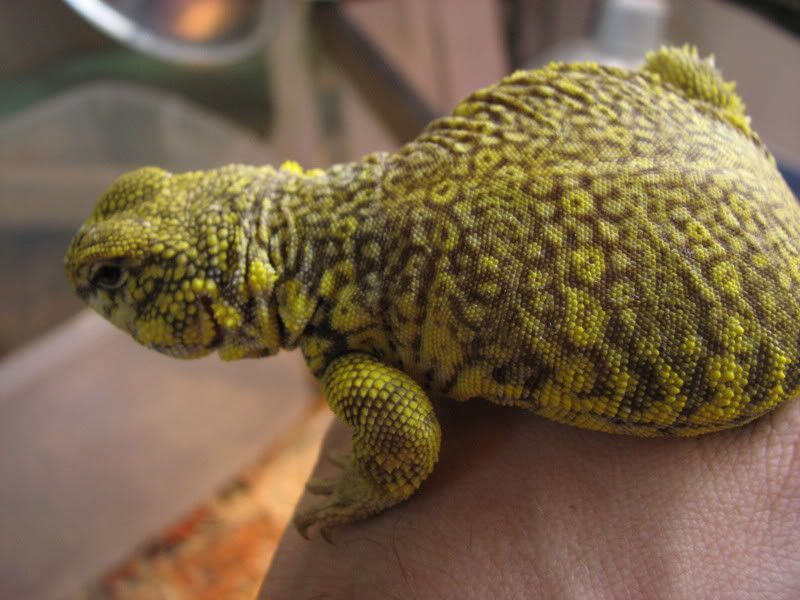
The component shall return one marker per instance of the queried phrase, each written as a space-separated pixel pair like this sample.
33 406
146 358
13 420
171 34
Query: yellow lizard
611 249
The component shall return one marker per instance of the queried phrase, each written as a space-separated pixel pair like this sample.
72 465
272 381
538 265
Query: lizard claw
327 515
340 459
349 498
321 487
326 487
326 535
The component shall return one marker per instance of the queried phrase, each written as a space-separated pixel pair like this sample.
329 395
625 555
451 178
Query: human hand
520 507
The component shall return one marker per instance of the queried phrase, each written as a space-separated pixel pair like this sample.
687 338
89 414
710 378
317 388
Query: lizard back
613 249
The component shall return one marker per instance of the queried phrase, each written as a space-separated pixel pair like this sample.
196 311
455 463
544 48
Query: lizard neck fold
322 233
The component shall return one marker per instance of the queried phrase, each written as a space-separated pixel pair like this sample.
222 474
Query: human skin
520 507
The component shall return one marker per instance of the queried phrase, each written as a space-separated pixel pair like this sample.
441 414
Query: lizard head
164 258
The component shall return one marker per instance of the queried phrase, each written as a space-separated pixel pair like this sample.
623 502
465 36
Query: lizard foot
351 497
396 441
325 487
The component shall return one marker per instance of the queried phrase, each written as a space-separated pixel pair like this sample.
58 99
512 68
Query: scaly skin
612 249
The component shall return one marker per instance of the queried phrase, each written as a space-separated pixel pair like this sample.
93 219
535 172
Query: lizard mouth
196 350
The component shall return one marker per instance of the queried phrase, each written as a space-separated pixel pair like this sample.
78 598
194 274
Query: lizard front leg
396 440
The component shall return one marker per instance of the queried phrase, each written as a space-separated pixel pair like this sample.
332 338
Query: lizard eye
107 276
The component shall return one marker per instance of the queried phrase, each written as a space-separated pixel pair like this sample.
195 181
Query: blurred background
124 474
